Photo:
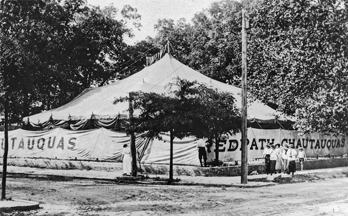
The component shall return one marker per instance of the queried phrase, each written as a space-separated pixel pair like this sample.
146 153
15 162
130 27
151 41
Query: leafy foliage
134 60
297 54
217 116
60 50
52 50
189 109
298 60
211 44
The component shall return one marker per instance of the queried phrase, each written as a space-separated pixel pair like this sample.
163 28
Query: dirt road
86 197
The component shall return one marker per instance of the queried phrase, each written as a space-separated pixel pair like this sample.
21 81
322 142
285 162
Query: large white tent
98 102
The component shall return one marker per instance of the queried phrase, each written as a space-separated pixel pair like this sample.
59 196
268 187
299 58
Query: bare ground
312 194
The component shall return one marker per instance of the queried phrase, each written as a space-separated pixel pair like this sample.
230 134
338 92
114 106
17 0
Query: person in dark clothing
267 154
202 154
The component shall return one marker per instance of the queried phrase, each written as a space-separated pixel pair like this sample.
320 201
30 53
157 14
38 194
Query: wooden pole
244 162
6 111
168 46
171 171
216 151
4 165
132 137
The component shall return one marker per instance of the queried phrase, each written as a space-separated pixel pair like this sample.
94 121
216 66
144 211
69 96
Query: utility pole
244 162
132 137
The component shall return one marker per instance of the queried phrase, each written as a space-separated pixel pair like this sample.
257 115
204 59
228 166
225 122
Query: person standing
301 157
267 155
292 155
285 158
273 159
126 161
202 154
278 166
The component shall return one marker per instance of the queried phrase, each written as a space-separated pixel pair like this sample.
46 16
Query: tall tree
68 47
211 44
10 82
177 33
217 39
135 60
36 27
298 60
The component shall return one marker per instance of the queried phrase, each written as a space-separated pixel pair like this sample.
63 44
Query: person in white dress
127 165
273 159
285 158
278 166
292 156
301 157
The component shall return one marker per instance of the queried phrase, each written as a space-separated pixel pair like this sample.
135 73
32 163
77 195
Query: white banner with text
314 144
103 144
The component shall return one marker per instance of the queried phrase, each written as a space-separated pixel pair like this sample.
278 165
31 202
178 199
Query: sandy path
85 197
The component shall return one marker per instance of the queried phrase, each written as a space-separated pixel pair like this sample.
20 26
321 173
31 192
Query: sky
152 10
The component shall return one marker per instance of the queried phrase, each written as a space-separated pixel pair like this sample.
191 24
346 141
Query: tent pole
168 46
132 137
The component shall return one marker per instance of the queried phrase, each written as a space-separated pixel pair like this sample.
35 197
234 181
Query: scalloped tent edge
94 108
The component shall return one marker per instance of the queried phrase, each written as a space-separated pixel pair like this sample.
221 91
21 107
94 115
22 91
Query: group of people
282 158
277 158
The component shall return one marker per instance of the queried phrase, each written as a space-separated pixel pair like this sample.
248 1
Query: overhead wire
165 77
174 71
140 56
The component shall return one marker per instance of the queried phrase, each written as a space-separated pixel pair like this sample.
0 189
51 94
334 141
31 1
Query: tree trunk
216 151
132 138
134 155
4 165
171 180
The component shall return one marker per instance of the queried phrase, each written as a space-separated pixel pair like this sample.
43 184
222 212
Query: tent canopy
98 102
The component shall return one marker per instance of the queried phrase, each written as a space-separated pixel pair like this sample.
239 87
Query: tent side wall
105 145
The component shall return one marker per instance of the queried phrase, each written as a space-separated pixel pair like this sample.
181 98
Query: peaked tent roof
98 102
